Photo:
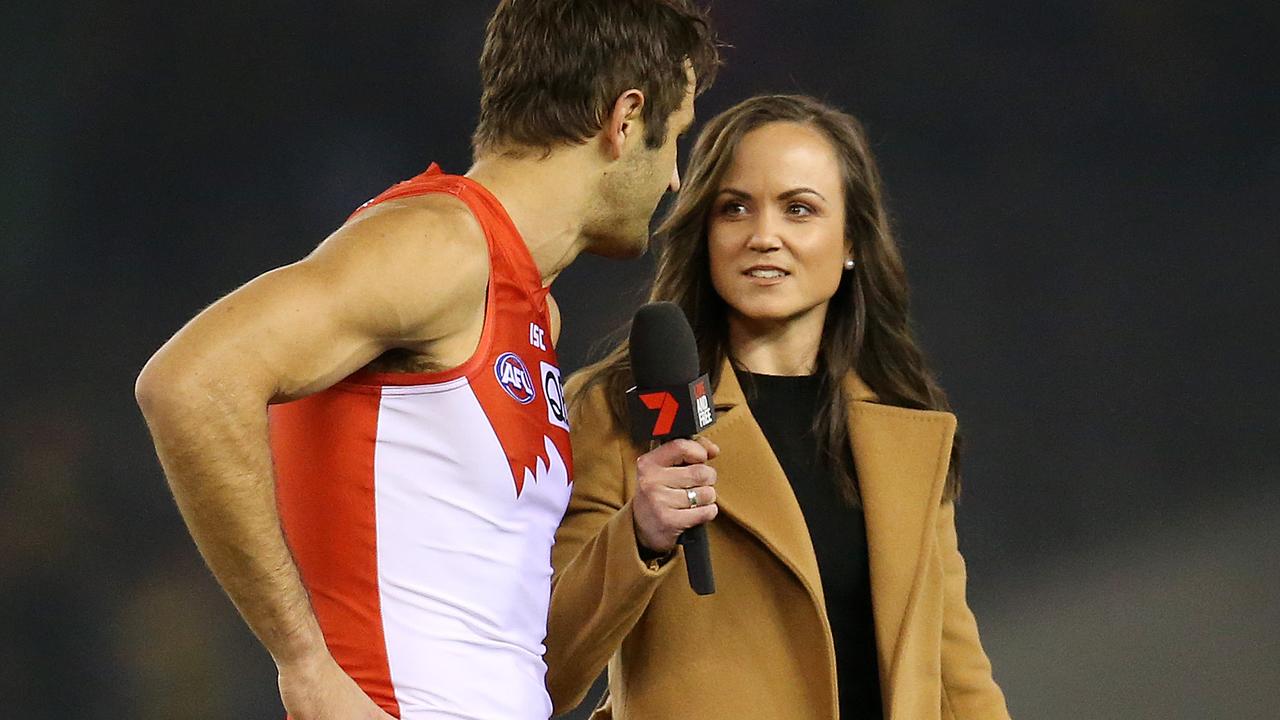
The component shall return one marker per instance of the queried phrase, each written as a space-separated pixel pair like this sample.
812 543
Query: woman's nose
764 236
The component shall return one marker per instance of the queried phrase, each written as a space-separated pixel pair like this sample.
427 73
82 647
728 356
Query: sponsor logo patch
553 391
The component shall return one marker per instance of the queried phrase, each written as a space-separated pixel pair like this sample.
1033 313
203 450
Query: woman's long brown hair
867 327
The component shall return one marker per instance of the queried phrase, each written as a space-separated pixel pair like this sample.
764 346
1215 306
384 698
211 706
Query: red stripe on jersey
326 503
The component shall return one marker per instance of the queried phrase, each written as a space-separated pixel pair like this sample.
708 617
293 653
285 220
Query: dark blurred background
1086 193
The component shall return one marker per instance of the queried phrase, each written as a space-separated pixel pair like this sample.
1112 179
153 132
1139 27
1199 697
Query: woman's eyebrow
800 191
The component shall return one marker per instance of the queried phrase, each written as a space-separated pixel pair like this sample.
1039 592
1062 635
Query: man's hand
319 690
664 478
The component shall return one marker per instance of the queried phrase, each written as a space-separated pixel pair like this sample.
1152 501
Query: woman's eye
799 210
732 209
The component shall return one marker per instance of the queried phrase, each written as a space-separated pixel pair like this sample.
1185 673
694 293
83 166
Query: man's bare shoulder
423 261
437 224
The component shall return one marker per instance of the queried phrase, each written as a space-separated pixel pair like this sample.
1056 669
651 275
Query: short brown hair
552 69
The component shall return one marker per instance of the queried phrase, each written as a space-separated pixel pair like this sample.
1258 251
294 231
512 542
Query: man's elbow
155 387
148 389
165 391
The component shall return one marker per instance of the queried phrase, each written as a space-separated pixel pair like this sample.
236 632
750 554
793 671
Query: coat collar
729 392
901 456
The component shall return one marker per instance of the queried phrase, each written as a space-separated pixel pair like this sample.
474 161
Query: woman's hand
675 490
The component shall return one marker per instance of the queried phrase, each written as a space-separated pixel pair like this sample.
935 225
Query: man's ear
623 122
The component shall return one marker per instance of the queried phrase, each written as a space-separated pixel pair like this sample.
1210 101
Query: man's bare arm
407 275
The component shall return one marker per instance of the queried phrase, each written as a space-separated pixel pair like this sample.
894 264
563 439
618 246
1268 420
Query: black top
785 408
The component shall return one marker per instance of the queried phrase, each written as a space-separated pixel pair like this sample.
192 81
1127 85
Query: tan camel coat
761 646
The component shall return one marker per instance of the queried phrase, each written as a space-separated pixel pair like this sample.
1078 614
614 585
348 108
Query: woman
840 588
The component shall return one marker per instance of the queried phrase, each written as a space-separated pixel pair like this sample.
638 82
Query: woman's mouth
765 272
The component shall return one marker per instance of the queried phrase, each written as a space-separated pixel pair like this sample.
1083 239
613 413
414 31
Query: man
386 532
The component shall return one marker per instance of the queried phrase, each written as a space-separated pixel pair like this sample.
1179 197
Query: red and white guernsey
421 508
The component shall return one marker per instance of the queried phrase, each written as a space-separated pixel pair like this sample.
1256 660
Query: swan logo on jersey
551 468
514 377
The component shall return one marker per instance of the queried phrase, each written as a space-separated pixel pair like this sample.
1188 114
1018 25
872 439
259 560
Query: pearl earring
848 264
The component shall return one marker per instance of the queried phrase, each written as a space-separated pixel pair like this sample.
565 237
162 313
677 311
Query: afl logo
514 377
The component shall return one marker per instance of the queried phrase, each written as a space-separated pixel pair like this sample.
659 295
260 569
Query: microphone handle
697 554
697 559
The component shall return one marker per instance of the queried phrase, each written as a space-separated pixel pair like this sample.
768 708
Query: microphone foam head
663 350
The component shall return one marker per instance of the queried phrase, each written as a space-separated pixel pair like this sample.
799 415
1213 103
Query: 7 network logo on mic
681 410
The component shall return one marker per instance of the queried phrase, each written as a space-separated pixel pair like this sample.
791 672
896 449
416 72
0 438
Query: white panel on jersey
464 565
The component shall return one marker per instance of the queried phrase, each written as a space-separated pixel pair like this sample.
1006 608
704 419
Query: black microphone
671 400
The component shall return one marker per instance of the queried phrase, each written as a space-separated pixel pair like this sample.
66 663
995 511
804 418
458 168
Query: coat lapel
901 457
753 491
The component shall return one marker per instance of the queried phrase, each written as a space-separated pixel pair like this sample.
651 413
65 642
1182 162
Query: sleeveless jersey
421 508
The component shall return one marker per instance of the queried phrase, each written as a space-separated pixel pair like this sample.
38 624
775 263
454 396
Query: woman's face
776 228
